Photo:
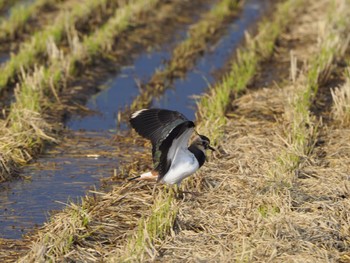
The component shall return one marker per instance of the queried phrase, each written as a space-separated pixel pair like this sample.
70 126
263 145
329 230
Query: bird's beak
212 148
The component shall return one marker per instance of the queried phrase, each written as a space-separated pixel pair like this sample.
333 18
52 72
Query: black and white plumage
170 132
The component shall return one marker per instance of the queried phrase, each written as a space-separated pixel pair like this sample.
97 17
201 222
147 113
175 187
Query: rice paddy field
268 81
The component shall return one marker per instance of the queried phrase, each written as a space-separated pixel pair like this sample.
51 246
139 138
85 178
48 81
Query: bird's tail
144 176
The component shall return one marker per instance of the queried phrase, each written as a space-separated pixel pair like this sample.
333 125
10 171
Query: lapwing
170 132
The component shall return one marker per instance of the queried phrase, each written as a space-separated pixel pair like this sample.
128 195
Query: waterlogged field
267 81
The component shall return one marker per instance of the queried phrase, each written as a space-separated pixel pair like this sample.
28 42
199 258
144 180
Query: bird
169 132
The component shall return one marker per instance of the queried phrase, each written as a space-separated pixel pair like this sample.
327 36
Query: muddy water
87 153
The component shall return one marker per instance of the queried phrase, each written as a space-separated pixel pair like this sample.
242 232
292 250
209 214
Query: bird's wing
161 127
168 148
155 124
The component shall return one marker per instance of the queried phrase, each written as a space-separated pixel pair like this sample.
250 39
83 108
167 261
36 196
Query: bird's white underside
184 163
182 166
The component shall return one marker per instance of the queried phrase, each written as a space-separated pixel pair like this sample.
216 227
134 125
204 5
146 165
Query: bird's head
203 143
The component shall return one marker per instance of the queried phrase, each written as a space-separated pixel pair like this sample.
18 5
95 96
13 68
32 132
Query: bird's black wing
161 127
155 124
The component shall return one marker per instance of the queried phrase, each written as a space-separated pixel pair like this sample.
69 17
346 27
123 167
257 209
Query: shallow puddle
88 152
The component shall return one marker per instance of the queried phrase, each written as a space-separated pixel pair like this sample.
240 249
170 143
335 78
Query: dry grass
254 209
151 230
62 237
302 127
341 101
239 217
215 225
25 130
